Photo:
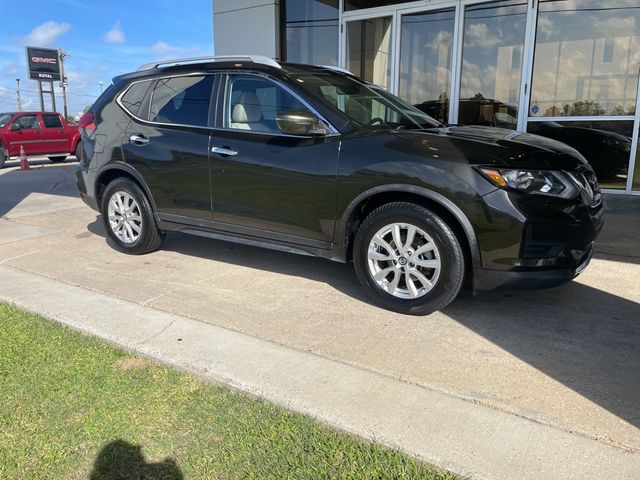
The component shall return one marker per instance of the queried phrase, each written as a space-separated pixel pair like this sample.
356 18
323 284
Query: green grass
73 407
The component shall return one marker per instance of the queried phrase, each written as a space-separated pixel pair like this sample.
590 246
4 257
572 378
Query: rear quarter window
133 98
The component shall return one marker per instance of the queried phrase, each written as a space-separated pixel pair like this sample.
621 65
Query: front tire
408 259
3 157
128 218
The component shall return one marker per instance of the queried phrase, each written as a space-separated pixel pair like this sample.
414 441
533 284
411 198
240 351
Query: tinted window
182 100
132 100
4 118
28 121
254 102
52 121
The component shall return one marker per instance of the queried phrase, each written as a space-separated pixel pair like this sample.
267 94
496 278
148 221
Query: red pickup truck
40 133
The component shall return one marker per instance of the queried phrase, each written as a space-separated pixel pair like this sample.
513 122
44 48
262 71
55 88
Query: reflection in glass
425 61
359 4
605 144
586 58
312 32
368 49
636 175
492 63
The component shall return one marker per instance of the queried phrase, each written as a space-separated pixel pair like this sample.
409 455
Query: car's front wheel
128 218
408 259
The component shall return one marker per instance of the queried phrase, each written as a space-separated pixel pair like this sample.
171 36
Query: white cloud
45 35
115 35
165 50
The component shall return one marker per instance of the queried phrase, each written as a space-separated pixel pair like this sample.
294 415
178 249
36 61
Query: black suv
314 160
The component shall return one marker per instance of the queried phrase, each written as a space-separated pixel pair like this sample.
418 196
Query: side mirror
15 126
296 122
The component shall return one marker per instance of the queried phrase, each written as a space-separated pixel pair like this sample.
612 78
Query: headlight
538 182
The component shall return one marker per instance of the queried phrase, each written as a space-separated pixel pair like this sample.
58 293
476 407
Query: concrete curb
451 433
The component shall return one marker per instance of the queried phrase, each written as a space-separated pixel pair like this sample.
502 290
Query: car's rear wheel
58 158
128 218
408 259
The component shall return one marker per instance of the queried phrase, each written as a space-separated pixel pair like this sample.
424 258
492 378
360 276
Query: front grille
587 183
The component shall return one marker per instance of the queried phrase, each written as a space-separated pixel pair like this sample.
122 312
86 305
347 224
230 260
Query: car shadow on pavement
51 179
120 460
585 338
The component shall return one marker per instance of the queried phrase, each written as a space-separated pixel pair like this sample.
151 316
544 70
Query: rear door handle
228 151
138 139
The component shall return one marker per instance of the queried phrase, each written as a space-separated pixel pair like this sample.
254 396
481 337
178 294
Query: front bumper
535 242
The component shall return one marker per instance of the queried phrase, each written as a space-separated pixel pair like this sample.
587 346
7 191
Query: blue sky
103 39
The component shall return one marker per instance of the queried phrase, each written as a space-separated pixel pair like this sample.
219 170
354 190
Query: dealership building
564 69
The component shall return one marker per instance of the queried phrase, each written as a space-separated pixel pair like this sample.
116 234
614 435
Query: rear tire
408 259
128 218
78 151
58 159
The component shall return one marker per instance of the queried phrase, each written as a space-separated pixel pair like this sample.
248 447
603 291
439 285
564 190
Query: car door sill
245 235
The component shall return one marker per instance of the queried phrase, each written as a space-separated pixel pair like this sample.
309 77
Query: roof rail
219 58
337 69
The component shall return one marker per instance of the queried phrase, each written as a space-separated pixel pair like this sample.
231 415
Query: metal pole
100 82
53 97
41 96
18 92
63 81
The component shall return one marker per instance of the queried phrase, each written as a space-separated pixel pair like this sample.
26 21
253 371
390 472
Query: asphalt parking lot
567 357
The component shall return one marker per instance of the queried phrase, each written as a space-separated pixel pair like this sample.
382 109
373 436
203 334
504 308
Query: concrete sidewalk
455 434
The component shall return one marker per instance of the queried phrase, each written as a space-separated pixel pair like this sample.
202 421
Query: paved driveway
567 357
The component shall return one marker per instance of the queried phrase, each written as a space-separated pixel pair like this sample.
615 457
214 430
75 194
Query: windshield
4 118
365 104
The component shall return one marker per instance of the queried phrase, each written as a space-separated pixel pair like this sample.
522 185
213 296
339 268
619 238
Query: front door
266 183
28 136
168 144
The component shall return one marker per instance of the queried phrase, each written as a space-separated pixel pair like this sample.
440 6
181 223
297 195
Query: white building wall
243 27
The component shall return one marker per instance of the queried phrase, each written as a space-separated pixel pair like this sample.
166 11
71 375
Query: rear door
55 134
29 136
167 142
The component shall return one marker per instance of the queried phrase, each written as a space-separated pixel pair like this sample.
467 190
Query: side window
134 96
28 122
253 103
52 121
182 100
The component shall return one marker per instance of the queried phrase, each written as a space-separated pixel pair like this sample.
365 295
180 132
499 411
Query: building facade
564 69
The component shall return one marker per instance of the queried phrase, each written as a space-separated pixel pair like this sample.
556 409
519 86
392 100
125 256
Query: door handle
138 139
228 151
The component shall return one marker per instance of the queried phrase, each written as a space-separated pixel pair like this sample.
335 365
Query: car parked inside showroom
314 160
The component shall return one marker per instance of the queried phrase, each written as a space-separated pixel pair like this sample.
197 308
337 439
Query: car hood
497 147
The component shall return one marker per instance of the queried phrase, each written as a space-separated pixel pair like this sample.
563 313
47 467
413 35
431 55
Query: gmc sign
43 64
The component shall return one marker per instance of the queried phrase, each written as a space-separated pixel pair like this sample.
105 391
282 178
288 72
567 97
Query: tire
58 158
78 151
3 157
399 286
149 238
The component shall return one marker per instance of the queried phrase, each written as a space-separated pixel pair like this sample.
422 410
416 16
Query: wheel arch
120 170
370 199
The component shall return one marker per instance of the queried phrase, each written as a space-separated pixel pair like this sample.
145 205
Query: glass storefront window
492 63
368 50
586 58
311 32
360 4
426 44
605 144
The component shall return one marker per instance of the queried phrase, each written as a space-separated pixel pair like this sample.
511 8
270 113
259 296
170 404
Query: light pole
63 80
18 92
100 82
